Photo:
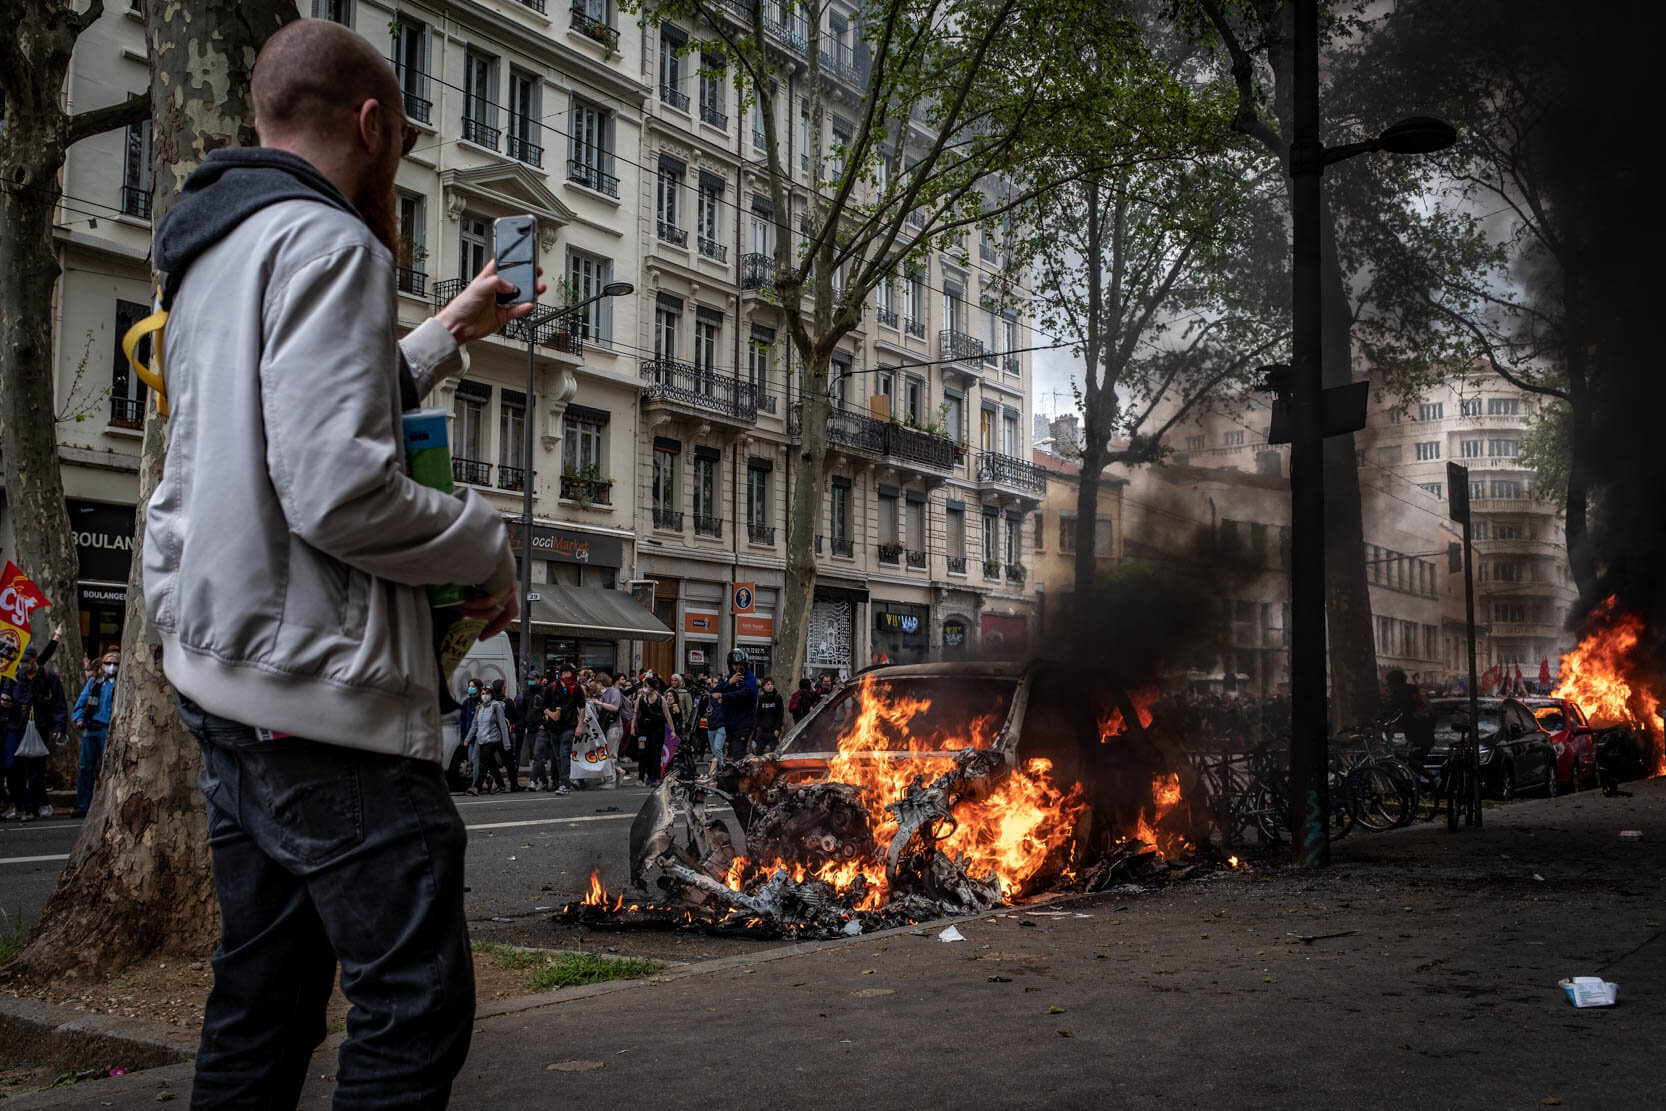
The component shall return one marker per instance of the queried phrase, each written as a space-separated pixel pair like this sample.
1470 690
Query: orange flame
1111 723
1604 675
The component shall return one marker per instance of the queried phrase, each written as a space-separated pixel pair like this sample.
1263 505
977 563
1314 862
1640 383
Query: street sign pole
1457 481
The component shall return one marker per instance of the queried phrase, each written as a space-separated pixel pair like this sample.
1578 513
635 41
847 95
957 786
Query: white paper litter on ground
1631 835
1590 991
852 928
951 934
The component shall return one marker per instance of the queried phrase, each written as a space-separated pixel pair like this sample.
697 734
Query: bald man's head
311 76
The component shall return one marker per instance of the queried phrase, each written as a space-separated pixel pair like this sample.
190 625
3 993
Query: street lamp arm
556 312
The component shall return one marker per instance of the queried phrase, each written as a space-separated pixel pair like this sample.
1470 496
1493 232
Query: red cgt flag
1544 672
19 597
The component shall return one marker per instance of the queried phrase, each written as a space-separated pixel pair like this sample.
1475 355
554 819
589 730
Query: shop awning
592 613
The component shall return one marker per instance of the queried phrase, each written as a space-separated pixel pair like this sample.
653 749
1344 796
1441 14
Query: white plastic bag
32 746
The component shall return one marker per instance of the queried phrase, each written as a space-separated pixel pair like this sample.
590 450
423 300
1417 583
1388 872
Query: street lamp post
1309 724
531 323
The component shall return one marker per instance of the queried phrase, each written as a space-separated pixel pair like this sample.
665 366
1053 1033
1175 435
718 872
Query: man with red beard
286 557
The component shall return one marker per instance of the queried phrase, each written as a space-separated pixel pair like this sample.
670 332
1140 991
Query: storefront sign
743 598
705 623
697 657
566 546
954 634
103 596
103 539
900 617
761 627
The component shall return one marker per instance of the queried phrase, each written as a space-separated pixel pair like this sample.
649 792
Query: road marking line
548 821
33 859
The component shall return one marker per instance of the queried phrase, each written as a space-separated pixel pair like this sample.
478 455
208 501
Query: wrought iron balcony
593 491
957 565
594 29
959 345
127 412
672 234
890 553
766 402
759 139
844 547
986 250
472 471
995 469
410 280
481 135
896 441
711 248
761 534
712 115
991 568
887 317
668 518
844 68
524 150
707 526
915 328
135 202
563 333
757 271
510 478
416 107
682 384
1009 363
1015 572
916 559
535 5
677 100
915 218
592 177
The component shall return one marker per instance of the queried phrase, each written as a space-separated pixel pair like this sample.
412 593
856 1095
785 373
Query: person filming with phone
286 559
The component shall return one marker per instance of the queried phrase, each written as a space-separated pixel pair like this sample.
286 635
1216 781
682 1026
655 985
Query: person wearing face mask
487 732
36 695
92 714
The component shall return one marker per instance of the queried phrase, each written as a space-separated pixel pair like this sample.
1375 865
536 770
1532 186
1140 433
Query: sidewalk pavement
1439 992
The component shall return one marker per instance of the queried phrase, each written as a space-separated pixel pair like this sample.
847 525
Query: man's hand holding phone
475 313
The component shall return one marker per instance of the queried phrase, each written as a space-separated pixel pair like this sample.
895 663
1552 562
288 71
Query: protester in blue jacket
738 697
92 714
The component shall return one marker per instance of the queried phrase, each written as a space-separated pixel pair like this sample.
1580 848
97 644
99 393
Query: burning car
1571 736
915 791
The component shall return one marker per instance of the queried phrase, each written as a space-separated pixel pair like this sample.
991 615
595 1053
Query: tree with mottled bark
37 39
138 881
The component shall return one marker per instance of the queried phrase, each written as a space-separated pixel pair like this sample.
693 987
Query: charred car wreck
909 793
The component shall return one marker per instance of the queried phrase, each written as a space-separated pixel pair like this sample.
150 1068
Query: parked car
1515 753
1571 736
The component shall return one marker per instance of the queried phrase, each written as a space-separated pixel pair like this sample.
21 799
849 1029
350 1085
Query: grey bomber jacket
286 549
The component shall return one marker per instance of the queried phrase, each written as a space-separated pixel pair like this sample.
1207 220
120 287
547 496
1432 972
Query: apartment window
758 347
511 437
1477 489
708 217
1469 449
838 379
667 320
1504 530
888 519
757 228
954 417
137 179
127 393
914 399
1430 488
711 91
1469 407
842 133
1388 456
1015 541
757 498
668 205
705 491
480 98
1429 449
1009 434
671 41
1067 534
1102 537
1009 344
588 275
336 11
1194 443
885 302
468 410
1431 410
474 238
914 304
954 533
1394 416
954 307
986 429
914 525
1234 438
1507 572
582 444
1508 449
1506 488
590 158
804 135
525 110
838 512
410 50
664 481
1503 407
705 345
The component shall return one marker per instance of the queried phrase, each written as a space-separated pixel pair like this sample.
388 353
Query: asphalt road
527 851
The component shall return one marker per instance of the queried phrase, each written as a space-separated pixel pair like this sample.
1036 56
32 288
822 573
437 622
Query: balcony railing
593 491
915 328
481 135
887 317
699 389
592 177
472 471
1015 572
709 113
757 271
916 559
959 345
761 534
711 248
707 526
126 412
844 68
991 568
995 469
535 5
411 281
759 139
524 150
510 478
564 333
668 519
135 202
986 251
1009 363
957 564
672 234
594 29
766 402
890 553
677 100
416 107
915 218
864 433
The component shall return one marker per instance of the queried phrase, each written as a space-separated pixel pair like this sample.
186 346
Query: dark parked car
1515 753
1571 736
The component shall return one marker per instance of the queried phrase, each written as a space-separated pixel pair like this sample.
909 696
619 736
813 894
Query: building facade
660 423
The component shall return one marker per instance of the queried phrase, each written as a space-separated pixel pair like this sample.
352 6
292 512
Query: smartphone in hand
514 246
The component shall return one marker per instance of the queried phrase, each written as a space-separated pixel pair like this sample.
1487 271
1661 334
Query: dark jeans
25 775
324 854
511 768
564 757
92 755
